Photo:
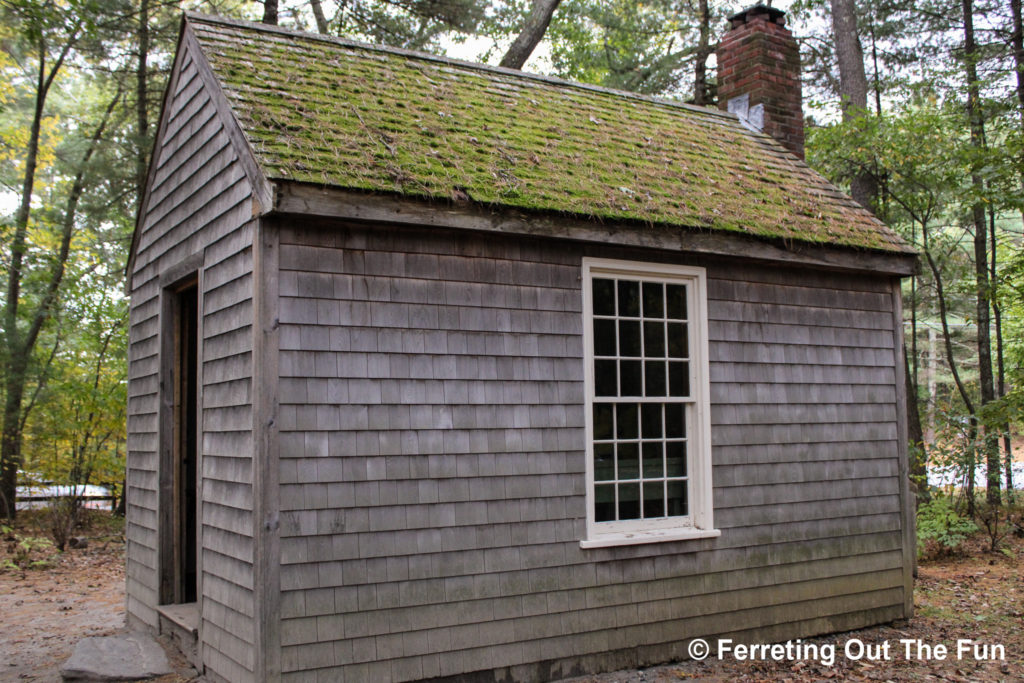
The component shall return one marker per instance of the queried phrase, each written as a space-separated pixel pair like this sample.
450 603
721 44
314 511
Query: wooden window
648 417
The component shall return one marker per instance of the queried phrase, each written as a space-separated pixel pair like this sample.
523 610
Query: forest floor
55 599
50 600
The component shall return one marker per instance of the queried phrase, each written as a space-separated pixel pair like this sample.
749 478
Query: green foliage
412 24
69 65
23 551
998 521
644 47
940 528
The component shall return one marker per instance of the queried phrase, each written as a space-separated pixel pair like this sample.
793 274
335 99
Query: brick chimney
759 75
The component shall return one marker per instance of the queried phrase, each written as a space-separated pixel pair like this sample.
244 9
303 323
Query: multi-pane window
646 376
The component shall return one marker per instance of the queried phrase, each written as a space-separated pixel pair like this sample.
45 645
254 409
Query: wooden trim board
907 499
307 200
266 501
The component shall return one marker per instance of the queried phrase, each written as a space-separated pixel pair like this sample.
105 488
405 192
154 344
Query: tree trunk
853 87
525 43
318 14
270 12
700 75
20 354
932 386
982 285
141 97
1018 51
1017 40
18 350
940 294
919 461
997 315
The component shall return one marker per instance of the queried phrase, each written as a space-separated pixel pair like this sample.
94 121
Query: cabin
446 371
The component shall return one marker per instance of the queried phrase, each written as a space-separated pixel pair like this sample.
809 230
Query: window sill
652 536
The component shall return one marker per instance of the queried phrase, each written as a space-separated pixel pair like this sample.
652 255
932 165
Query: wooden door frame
185 275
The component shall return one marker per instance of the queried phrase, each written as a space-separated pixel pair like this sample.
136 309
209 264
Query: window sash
694 403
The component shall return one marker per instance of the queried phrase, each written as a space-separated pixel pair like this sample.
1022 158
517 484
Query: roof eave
303 199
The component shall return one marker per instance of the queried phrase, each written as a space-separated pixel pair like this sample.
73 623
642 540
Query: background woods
917 108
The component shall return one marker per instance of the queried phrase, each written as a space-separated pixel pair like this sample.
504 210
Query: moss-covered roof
335 113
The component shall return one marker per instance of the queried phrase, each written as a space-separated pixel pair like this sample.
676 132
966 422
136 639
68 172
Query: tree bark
853 87
141 97
270 12
318 14
700 76
1017 39
982 284
536 25
997 315
918 463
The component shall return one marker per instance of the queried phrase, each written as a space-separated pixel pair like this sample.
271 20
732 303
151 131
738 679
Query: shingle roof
332 112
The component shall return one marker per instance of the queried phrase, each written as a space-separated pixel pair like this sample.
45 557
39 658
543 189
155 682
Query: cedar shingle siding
393 469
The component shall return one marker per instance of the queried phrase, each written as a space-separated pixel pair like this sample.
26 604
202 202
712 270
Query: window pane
602 421
604 461
654 375
677 341
642 382
604 337
654 499
676 299
678 500
675 458
604 503
654 300
629 501
653 465
678 379
675 420
605 383
626 417
629 338
654 339
604 296
630 371
651 420
629 298
629 461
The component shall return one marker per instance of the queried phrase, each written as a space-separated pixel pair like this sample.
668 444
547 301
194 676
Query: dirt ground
47 609
976 597
53 600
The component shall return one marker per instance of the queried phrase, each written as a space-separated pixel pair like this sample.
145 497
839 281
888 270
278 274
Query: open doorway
179 479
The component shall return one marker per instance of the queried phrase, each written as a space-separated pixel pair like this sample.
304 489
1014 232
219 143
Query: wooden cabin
446 371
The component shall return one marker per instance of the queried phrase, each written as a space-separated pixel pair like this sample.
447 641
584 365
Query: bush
940 528
63 517
999 521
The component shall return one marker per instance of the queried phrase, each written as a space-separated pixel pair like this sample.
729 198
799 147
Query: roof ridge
478 66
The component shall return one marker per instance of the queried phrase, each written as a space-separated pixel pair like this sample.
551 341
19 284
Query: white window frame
699 523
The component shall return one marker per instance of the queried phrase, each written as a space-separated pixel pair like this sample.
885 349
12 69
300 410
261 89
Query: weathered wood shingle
198 202
432 466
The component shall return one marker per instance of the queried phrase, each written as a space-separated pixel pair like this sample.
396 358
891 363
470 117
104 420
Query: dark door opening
185 452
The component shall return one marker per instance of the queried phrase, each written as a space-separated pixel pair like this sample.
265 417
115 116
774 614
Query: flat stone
125 657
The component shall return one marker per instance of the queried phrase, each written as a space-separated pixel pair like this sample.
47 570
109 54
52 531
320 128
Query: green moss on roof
329 112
